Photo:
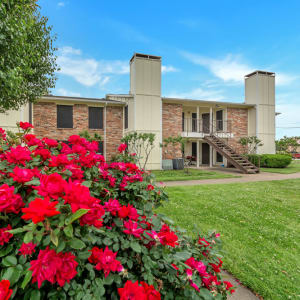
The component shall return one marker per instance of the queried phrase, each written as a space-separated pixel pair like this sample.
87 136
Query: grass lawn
259 226
293 167
193 174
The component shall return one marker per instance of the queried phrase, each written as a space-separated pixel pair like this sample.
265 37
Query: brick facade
238 121
171 127
45 123
114 129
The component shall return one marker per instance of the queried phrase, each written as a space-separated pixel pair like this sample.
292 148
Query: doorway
205 154
194 149
205 122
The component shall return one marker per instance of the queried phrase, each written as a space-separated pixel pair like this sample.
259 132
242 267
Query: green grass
259 226
193 174
293 167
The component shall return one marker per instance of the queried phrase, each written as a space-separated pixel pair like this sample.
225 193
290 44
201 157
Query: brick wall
45 123
171 127
238 120
114 129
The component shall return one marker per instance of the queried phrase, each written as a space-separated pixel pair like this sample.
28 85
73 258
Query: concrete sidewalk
263 176
241 292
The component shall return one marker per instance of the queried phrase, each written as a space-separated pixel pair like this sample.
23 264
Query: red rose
151 292
9 201
105 260
124 211
5 292
132 291
122 148
150 187
112 206
5 236
67 271
25 125
21 175
203 242
39 209
132 229
167 237
52 185
229 287
27 249
18 155
94 216
2 134
43 153
50 142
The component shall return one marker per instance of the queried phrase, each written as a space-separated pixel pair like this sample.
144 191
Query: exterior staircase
234 158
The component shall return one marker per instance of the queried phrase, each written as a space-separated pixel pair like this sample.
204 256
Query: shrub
275 160
254 158
74 227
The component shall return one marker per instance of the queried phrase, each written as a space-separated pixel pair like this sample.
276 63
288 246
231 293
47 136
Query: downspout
104 146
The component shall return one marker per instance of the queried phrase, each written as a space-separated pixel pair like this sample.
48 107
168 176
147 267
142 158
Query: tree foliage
287 144
27 60
250 144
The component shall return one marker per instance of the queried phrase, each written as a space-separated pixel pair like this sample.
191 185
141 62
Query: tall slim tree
27 54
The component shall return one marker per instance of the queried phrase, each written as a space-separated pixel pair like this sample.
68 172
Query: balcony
199 128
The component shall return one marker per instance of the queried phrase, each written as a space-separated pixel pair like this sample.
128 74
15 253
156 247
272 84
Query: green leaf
26 279
9 261
16 230
33 182
5 251
77 244
69 231
12 274
28 237
61 246
35 295
78 214
87 183
183 255
135 247
54 238
109 279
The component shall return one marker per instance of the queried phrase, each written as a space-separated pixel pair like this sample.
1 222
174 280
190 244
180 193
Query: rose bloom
67 271
5 291
94 216
122 148
21 175
132 291
167 237
105 260
150 187
25 125
18 155
52 185
112 206
9 201
43 153
132 229
27 249
151 292
32 140
229 286
2 134
50 142
39 209
5 236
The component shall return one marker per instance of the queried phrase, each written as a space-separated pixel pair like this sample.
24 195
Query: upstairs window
64 116
126 117
96 117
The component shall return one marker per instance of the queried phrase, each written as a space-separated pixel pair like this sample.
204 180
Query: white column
198 119
211 120
211 155
198 154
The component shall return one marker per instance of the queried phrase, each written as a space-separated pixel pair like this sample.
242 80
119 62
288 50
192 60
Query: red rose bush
73 226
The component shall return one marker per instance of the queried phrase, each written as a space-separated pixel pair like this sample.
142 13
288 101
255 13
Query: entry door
205 154
194 149
205 122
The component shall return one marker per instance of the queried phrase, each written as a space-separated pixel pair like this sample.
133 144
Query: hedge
270 160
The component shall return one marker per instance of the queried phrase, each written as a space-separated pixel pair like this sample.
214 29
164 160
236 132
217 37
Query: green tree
27 59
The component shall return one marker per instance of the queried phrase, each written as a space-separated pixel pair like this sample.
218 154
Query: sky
206 47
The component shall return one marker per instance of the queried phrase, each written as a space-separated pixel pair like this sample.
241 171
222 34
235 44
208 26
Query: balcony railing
205 126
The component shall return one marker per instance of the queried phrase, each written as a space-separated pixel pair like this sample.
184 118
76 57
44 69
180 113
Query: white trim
104 140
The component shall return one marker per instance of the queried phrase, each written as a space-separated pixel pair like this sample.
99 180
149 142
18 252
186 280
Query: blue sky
206 47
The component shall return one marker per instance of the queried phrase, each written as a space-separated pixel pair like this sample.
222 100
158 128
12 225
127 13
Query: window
194 122
219 157
126 117
64 116
96 117
101 147
183 121
219 115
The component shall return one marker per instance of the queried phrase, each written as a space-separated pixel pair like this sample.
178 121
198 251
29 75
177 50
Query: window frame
101 116
59 115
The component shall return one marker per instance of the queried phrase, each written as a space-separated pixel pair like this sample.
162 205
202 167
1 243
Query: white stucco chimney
260 91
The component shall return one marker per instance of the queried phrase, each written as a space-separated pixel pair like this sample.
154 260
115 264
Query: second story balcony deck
198 128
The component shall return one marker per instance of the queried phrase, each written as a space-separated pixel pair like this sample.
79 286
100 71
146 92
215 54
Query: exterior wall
45 123
114 130
238 118
9 119
171 127
146 108
260 90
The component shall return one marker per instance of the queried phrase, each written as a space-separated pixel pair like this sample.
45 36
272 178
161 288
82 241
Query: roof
148 56
81 99
208 102
261 73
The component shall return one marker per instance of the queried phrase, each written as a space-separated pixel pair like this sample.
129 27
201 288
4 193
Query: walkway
263 176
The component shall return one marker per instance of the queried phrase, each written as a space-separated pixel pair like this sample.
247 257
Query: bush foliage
270 160
74 227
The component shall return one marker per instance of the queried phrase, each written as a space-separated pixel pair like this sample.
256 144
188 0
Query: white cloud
167 69
88 71
61 4
199 94
64 92
232 68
